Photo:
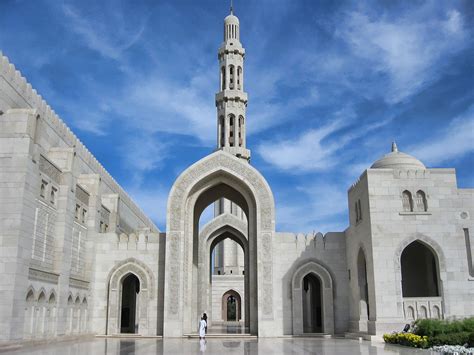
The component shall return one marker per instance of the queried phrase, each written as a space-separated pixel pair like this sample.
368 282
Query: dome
397 160
231 20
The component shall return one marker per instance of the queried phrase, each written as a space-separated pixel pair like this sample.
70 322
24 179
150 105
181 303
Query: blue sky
330 83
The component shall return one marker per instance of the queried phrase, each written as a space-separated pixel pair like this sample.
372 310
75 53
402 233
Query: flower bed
437 333
407 339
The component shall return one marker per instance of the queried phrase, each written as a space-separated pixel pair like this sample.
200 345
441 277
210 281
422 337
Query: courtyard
125 346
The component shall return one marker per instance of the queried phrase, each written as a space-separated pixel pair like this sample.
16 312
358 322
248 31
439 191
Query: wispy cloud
107 33
408 51
324 210
453 142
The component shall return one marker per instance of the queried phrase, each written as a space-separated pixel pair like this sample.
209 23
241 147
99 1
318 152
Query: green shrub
434 327
407 339
459 338
470 341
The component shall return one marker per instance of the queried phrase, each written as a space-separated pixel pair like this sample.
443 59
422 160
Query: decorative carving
173 242
49 169
82 195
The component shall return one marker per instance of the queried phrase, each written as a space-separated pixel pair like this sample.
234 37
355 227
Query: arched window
223 78
231 130
241 122
53 195
222 130
231 78
239 77
43 189
407 201
421 203
419 271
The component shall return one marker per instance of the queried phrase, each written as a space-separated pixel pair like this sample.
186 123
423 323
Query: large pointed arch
217 175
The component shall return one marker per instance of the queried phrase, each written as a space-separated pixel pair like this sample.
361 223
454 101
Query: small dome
231 20
397 160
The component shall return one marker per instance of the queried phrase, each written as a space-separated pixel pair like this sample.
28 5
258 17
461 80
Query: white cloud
454 142
306 152
408 50
323 210
315 150
108 35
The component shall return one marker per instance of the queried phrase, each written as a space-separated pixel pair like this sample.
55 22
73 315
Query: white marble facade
78 256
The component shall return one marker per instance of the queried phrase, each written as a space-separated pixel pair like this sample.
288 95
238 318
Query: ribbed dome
397 160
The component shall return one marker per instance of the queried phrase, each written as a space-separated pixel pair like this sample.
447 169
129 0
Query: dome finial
231 7
394 147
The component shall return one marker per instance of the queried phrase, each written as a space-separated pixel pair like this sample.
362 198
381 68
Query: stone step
313 335
222 335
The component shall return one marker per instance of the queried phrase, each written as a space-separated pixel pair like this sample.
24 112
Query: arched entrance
128 316
421 286
363 288
419 271
219 175
312 304
130 295
231 306
312 299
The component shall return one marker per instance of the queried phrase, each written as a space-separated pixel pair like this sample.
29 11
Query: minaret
231 103
231 100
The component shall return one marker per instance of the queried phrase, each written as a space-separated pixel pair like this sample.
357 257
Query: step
222 335
313 335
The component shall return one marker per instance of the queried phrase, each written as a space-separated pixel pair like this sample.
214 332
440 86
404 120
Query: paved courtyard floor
121 346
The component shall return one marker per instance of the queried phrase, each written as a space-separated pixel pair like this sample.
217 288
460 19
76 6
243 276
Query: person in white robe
202 328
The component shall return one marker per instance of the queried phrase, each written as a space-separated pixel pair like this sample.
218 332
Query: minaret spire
231 100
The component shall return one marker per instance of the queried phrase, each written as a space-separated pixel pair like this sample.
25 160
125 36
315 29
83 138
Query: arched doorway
128 309
222 228
231 306
419 271
130 299
217 176
312 299
363 288
312 304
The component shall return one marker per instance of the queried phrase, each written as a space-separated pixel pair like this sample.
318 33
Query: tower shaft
231 100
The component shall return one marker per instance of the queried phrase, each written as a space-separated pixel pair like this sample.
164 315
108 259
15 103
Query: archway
312 288
128 314
219 175
419 271
363 288
312 304
224 227
231 306
128 275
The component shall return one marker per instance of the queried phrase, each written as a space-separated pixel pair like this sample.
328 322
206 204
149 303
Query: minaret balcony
231 47
235 95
